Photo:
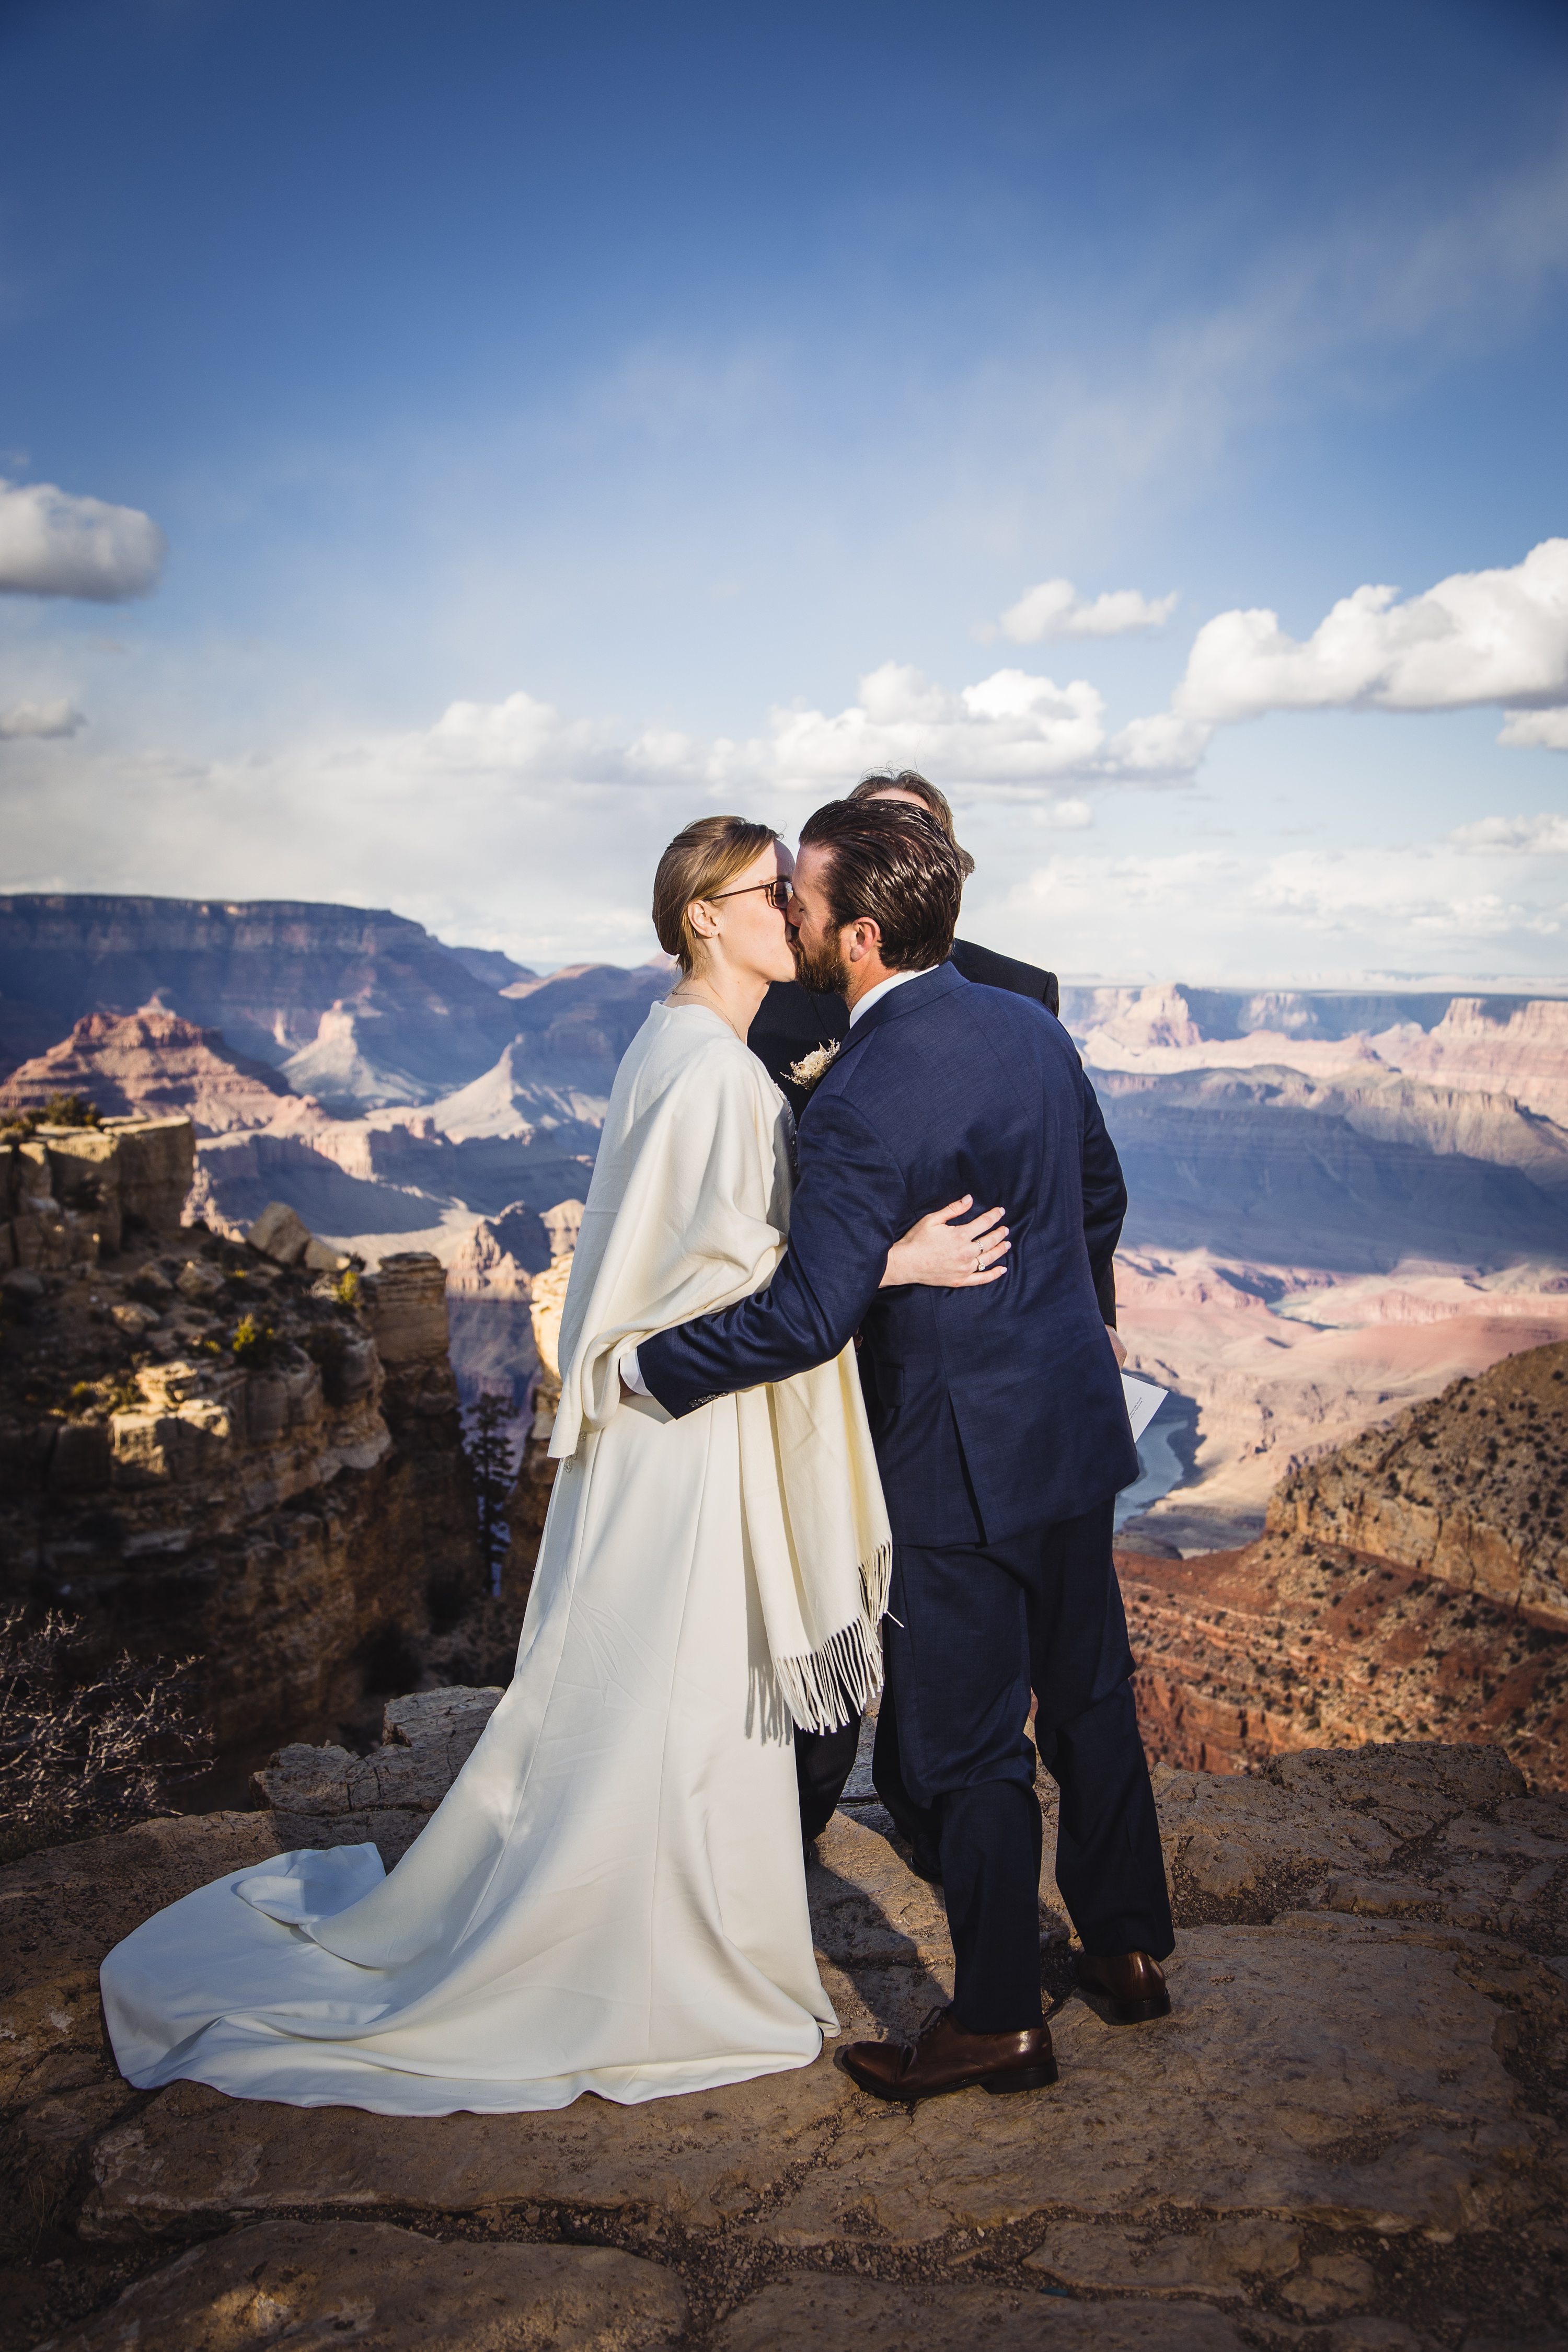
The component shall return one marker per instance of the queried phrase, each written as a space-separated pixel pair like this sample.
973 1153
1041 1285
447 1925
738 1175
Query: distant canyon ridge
1341 1201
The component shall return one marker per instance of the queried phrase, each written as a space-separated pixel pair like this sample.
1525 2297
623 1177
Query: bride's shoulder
692 1046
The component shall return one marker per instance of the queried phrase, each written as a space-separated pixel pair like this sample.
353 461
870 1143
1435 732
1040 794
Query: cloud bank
52 544
1300 915
1055 609
1010 735
1515 836
1477 636
39 719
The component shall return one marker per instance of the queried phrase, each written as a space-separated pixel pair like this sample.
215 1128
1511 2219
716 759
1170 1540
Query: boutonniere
812 1068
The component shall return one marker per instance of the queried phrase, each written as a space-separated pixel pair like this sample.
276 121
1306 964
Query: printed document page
1144 1401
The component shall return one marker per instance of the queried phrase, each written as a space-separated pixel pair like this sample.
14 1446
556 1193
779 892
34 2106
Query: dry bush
86 1746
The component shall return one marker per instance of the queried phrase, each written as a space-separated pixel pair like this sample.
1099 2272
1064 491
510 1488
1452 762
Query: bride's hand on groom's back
947 1255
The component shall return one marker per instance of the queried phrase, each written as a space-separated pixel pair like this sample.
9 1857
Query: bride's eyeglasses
777 892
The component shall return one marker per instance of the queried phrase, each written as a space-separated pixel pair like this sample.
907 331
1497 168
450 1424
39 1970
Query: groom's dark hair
892 864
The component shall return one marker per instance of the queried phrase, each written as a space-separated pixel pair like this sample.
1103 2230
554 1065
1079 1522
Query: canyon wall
151 1063
203 1453
1412 1583
1339 1201
404 1017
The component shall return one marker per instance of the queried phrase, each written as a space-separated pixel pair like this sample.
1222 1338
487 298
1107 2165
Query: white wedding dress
610 1897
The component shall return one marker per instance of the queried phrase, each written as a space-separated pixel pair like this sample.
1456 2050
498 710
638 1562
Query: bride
610 1897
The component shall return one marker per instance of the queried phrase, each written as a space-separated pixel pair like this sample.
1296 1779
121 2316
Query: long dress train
610 1897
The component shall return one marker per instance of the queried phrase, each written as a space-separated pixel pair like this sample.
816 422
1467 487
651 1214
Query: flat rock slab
1327 2069
62 1910
363 2282
1324 2068
867 1909
811 2314
696 2161
1223 2260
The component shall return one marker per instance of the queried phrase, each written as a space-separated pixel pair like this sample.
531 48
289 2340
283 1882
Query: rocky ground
1347 2138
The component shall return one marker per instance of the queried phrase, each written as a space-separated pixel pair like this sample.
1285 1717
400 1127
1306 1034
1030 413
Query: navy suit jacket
995 1410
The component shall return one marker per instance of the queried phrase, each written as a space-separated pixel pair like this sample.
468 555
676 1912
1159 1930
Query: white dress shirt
629 1371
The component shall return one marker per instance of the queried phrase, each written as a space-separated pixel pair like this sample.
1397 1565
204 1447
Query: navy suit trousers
976 1629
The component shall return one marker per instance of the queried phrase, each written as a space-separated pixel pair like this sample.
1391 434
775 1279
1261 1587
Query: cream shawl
687 1212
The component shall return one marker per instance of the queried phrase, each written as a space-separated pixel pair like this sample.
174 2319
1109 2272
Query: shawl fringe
829 1687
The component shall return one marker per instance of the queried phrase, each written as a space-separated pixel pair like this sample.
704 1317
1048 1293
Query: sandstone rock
563 1223
82 1460
1245 1656
1322 2068
154 1159
547 1298
1213 2260
809 2312
84 1165
59 1913
325 1797
151 1063
287 1514
696 2163
279 1233
200 1281
364 2282
1250 1841
407 1300
866 1906
1330 2284
1328 1827
1470 1487
1323 2081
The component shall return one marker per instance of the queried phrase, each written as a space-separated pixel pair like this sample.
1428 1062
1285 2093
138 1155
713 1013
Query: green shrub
69 1110
254 1343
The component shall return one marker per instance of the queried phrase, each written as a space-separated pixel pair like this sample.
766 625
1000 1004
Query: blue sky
552 416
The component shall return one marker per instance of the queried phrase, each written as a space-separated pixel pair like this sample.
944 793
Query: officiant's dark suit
1002 1436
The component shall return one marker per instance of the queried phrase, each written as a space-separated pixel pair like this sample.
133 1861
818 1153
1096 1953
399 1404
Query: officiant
794 1022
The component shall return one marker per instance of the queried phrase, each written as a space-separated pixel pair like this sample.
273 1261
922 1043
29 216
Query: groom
1000 1430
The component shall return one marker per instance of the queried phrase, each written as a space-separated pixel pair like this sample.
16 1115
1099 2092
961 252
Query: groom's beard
826 973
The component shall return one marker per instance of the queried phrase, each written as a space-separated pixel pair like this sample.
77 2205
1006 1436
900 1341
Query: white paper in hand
1144 1401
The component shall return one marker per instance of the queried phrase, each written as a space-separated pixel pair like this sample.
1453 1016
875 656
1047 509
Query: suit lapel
912 997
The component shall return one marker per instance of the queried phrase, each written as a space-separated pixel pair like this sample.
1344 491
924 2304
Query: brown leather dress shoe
943 2057
1131 1981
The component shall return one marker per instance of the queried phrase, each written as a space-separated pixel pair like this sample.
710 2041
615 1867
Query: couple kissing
840 1417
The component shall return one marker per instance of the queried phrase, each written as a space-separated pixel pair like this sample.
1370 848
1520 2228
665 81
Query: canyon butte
332 1190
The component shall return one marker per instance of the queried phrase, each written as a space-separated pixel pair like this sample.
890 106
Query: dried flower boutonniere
814 1067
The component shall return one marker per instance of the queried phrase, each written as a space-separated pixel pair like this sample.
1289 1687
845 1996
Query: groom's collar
884 988
924 988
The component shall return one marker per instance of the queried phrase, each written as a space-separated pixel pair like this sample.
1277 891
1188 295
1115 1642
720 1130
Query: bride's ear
701 920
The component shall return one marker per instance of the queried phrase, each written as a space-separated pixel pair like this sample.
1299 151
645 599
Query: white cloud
1423 893
1055 609
1477 636
1520 836
1527 731
1009 736
1212 913
39 719
52 544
